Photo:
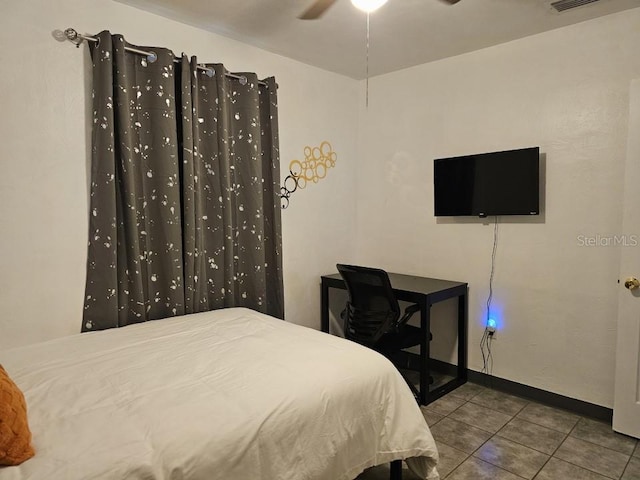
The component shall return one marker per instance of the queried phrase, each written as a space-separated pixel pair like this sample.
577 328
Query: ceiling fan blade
451 2
317 9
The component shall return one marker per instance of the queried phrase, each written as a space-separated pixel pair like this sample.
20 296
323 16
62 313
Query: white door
626 407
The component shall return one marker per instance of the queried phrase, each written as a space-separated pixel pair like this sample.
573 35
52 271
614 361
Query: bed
230 394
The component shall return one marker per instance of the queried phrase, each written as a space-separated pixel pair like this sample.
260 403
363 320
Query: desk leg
324 307
462 337
425 325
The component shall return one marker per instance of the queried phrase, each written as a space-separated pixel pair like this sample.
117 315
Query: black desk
425 292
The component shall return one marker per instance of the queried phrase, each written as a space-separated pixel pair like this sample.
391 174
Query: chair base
404 360
408 361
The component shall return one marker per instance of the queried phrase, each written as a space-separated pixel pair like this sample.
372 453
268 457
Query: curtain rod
76 38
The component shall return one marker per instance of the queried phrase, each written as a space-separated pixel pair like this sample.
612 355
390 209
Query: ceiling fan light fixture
368 5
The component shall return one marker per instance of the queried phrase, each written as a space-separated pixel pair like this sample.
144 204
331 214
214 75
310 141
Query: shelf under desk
425 292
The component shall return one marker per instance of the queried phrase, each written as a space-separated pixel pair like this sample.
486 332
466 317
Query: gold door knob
631 283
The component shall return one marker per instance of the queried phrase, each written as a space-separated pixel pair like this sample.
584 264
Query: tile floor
485 434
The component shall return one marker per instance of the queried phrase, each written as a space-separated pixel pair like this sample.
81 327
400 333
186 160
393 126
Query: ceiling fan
319 7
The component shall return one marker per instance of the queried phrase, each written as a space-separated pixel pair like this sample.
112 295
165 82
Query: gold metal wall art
317 161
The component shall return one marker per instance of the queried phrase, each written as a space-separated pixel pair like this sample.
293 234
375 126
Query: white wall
565 91
43 159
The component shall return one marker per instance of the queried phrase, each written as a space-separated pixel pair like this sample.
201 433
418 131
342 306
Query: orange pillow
15 436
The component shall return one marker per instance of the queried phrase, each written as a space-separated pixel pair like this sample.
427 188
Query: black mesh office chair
373 317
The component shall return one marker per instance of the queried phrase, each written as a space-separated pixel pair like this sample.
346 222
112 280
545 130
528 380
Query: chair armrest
408 313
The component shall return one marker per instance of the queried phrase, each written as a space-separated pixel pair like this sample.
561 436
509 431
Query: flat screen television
497 183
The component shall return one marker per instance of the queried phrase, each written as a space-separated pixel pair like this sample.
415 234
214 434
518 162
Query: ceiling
403 33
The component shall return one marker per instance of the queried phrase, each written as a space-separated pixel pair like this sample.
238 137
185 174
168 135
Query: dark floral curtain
185 212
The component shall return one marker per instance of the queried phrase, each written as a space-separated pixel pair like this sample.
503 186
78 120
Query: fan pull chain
367 73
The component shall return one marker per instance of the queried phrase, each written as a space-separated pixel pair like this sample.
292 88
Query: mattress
230 394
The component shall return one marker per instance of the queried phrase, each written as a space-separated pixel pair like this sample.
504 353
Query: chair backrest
373 309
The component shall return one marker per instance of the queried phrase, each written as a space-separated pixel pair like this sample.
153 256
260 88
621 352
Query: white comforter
230 395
